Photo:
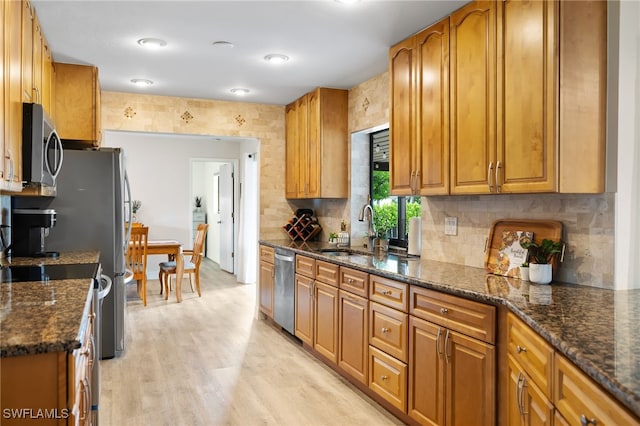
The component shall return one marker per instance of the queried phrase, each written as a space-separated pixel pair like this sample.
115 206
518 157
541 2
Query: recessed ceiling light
153 43
240 91
276 58
221 43
142 82
347 1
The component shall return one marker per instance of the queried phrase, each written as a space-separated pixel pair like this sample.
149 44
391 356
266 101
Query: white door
227 225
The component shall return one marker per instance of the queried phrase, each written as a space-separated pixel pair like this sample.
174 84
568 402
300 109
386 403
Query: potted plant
333 238
135 207
540 256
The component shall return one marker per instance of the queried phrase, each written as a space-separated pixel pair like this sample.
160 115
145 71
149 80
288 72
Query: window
391 213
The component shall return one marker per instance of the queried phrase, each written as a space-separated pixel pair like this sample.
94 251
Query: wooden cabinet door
304 309
77 97
302 107
401 118
38 51
291 153
27 52
325 322
267 278
3 127
353 336
526 152
470 394
432 109
473 98
314 135
426 372
13 95
48 81
526 404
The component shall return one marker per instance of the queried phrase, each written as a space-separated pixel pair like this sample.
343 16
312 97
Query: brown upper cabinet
11 140
488 107
78 104
317 145
419 114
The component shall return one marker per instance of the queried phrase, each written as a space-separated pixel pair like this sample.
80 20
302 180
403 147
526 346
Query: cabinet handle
384 378
447 355
584 421
444 311
411 179
387 293
489 176
519 392
521 349
498 177
417 184
438 343
350 280
385 330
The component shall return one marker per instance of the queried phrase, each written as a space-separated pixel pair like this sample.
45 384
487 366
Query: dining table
173 250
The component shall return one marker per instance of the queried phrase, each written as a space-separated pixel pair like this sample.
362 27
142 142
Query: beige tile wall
163 114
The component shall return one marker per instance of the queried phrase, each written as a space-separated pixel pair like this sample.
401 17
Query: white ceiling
330 44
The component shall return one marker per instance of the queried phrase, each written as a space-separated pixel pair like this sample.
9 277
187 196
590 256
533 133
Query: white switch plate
450 226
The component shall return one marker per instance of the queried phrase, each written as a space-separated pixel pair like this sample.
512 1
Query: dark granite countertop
592 327
44 316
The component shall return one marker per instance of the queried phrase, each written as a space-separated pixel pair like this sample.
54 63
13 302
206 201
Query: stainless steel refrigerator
92 199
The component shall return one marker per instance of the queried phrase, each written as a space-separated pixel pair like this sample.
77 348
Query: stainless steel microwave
42 153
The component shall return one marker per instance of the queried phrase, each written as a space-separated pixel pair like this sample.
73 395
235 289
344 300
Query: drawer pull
385 330
444 311
387 292
350 280
521 349
384 378
584 421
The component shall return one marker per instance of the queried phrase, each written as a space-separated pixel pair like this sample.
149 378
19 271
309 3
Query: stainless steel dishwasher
284 299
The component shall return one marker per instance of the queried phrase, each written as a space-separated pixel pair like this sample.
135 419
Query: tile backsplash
588 230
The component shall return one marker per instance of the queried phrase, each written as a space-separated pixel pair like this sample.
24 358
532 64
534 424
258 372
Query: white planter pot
540 273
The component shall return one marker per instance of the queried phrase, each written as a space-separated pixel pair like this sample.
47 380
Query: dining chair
137 259
191 266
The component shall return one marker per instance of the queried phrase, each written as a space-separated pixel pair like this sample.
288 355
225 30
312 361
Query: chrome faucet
372 230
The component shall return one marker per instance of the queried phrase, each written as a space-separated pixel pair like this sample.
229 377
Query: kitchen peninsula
579 326
47 350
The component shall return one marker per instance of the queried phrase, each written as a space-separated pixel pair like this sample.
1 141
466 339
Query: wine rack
303 227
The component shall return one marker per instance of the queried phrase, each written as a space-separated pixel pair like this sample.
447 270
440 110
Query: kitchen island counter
48 315
593 327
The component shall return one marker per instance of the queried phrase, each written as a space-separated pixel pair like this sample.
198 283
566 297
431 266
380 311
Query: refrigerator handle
129 210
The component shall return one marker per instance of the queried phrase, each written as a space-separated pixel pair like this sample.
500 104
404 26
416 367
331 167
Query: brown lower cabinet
527 404
304 309
451 376
353 335
325 331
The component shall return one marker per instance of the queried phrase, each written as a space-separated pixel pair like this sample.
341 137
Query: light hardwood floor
208 361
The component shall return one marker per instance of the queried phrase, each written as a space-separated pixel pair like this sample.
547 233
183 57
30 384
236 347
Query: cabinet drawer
356 282
465 316
266 253
388 330
327 272
388 378
305 266
389 292
578 398
531 352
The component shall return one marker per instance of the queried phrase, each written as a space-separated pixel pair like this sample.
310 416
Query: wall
163 114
